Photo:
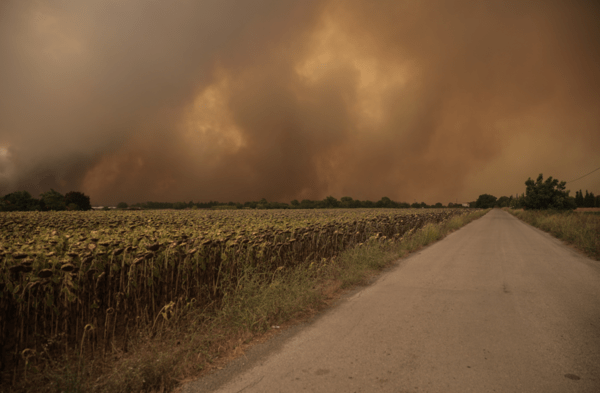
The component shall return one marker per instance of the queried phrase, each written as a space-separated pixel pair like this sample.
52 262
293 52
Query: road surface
497 306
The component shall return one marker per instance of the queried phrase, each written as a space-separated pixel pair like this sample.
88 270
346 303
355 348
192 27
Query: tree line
589 200
328 202
50 200
541 195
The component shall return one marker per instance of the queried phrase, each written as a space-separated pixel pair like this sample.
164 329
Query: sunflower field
84 281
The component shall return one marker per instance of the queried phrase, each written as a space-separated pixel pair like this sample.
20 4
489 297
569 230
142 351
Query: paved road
495 307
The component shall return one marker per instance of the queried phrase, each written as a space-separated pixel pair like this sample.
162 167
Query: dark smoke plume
230 100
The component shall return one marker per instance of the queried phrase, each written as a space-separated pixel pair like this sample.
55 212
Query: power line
570 181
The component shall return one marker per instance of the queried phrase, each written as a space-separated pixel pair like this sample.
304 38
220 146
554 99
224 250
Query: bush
73 207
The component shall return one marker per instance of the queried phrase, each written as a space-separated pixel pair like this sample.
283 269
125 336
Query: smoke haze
435 101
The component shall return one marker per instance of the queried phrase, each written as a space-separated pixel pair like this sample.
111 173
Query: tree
485 201
384 202
549 194
517 202
78 198
20 201
307 204
589 200
295 203
438 205
122 205
250 205
503 201
347 202
368 204
331 202
579 198
53 200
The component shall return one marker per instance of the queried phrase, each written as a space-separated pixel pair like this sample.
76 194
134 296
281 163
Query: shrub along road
496 306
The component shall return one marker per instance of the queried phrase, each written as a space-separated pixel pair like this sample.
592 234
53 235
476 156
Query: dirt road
497 306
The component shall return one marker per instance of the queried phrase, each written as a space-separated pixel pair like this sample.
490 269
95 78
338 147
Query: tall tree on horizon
549 194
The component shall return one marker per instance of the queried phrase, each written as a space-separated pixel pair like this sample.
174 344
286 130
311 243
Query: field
84 282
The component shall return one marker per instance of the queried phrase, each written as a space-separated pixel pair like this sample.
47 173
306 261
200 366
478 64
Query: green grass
582 230
192 340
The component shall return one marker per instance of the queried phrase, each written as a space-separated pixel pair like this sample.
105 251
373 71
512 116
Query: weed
579 229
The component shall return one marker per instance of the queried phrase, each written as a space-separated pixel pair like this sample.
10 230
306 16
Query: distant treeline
519 201
589 200
74 200
329 202
580 200
50 200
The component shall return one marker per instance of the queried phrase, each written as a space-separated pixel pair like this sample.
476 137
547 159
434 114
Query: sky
427 101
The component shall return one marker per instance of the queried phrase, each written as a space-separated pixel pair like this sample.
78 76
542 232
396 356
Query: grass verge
581 229
358 264
193 341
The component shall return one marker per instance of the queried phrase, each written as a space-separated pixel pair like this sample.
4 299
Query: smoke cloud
433 101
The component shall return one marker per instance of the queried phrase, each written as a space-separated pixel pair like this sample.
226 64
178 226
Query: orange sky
434 101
